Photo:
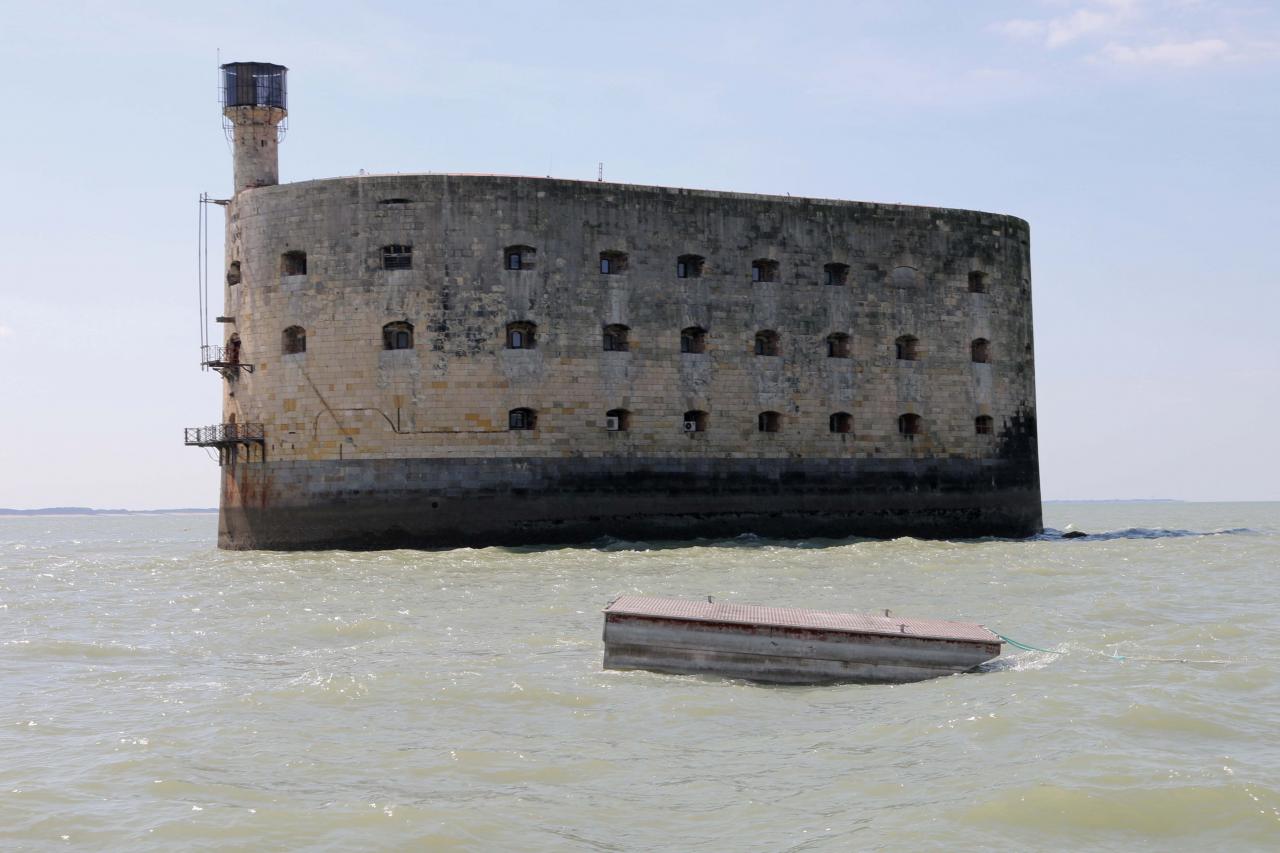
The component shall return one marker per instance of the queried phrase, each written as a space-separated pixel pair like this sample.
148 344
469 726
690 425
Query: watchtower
254 110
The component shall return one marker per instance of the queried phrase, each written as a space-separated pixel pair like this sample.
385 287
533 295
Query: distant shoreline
84 510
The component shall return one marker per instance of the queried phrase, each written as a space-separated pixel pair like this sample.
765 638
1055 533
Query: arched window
764 269
909 424
983 425
522 335
695 420
767 342
397 257
615 338
840 422
293 263
977 282
907 348
837 345
980 350
519 257
835 274
904 277
294 340
522 419
617 420
233 273
769 422
232 355
397 335
689 266
693 339
612 263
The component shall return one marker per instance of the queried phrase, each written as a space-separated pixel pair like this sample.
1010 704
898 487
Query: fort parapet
447 360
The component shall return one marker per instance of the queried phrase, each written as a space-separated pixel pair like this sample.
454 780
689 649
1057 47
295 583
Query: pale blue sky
1139 139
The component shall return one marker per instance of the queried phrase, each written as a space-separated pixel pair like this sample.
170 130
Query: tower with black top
255 110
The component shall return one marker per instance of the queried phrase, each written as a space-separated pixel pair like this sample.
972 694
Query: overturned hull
784 645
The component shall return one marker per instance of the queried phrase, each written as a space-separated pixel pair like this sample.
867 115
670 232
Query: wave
1052 535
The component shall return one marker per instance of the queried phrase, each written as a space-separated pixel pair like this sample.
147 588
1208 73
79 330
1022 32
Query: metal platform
224 360
230 440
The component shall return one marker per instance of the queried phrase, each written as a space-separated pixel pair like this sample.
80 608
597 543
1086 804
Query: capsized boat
787 645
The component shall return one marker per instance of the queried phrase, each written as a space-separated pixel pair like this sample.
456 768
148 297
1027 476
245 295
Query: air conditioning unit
613 424
690 426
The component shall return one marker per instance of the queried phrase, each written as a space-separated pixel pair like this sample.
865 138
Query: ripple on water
163 695
1241 813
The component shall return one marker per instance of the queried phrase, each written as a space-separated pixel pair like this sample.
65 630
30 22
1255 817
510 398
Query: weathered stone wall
347 399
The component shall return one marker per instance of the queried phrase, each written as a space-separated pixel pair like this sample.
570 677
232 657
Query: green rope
1030 648
1011 641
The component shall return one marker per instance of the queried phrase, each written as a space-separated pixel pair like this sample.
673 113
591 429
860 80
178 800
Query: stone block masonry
374 447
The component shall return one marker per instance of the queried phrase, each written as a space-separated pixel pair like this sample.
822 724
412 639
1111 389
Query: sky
1139 138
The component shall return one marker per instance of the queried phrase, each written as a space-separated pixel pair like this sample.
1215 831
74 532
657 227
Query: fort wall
366 445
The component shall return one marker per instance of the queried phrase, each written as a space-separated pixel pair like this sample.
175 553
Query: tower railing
234 442
220 435
224 359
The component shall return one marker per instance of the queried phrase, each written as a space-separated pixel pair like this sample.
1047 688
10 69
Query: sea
159 694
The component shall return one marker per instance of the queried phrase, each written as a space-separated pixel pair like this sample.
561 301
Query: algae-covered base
436 503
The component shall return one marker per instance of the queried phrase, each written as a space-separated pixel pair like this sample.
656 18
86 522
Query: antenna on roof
600 172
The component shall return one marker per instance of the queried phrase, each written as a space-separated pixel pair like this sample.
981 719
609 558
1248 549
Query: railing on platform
221 435
234 442
224 359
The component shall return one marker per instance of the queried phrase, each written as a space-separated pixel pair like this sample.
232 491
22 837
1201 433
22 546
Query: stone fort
441 360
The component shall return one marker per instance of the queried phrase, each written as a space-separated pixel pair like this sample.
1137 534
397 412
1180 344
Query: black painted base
433 503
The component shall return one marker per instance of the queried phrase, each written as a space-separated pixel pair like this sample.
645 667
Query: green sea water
159 694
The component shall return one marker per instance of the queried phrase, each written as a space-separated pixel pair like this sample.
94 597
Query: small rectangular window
682 269
513 261
397 257
606 265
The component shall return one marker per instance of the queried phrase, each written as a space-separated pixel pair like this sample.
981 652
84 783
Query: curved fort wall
366 445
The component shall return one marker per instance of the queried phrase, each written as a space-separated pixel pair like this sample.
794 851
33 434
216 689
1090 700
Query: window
522 419
907 348
612 263
769 422
837 345
689 266
233 273
521 335
693 340
980 351
294 340
617 420
398 335
519 257
983 425
695 420
396 201
909 424
840 422
767 343
977 282
835 274
293 263
397 257
615 338
764 269
905 276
